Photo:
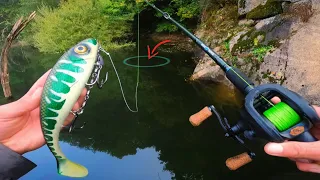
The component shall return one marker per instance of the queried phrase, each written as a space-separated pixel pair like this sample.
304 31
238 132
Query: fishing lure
63 86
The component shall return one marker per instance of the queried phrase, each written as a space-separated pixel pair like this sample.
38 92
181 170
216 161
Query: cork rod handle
236 162
197 118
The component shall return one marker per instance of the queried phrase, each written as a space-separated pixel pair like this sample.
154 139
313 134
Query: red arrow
159 44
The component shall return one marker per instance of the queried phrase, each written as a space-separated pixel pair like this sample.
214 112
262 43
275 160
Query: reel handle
235 162
197 118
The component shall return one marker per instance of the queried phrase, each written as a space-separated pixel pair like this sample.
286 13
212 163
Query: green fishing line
282 116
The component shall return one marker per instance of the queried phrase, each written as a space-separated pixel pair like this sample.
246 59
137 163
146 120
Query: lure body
62 89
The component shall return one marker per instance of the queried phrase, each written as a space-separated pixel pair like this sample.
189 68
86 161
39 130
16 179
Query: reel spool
290 119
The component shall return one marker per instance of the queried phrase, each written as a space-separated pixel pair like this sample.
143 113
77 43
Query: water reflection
144 165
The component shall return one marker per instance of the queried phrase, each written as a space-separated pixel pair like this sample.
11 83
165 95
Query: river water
156 143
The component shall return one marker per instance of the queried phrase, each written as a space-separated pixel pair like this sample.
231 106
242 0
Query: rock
265 10
245 6
279 75
285 6
260 38
217 49
240 62
301 9
316 4
235 40
207 70
264 22
248 67
277 28
246 22
298 59
291 1
268 31
203 63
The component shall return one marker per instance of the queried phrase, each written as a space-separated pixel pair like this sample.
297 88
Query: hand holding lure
291 119
62 88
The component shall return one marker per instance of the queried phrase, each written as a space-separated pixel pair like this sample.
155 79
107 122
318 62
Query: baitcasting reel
290 119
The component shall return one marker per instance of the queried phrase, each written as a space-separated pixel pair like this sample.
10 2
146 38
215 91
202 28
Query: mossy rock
247 43
271 8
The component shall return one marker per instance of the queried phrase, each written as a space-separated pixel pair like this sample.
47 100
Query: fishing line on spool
284 119
281 115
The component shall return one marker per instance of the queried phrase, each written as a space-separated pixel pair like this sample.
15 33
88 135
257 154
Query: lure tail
71 169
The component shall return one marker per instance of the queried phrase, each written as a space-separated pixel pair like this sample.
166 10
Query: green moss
242 3
219 23
271 8
275 43
246 44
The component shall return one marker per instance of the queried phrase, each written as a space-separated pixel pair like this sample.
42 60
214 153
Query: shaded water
158 142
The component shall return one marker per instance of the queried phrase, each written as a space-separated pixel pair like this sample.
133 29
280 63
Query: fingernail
274 149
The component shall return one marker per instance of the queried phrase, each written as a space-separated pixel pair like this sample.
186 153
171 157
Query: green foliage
260 52
181 11
166 27
7 12
56 30
227 45
12 10
187 9
28 6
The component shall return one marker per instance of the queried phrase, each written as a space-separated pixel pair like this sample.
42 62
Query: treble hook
96 74
100 63
100 84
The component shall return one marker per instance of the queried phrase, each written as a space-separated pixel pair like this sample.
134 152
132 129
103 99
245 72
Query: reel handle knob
235 162
197 118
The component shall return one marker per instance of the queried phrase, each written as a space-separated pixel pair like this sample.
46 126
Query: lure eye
81 49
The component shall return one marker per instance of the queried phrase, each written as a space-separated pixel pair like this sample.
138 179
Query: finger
308 167
82 96
76 107
317 109
275 100
80 100
68 120
300 160
293 149
70 117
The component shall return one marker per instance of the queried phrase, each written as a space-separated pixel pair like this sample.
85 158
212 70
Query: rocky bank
272 41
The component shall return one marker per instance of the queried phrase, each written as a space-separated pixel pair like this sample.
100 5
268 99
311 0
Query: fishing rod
260 118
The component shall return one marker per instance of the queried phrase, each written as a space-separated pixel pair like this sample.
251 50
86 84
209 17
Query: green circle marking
167 61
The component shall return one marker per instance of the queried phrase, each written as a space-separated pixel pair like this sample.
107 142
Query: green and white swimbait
64 84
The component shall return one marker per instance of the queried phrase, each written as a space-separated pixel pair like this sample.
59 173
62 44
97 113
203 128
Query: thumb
292 149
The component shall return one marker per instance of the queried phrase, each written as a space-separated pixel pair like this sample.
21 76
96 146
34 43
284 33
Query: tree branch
15 31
